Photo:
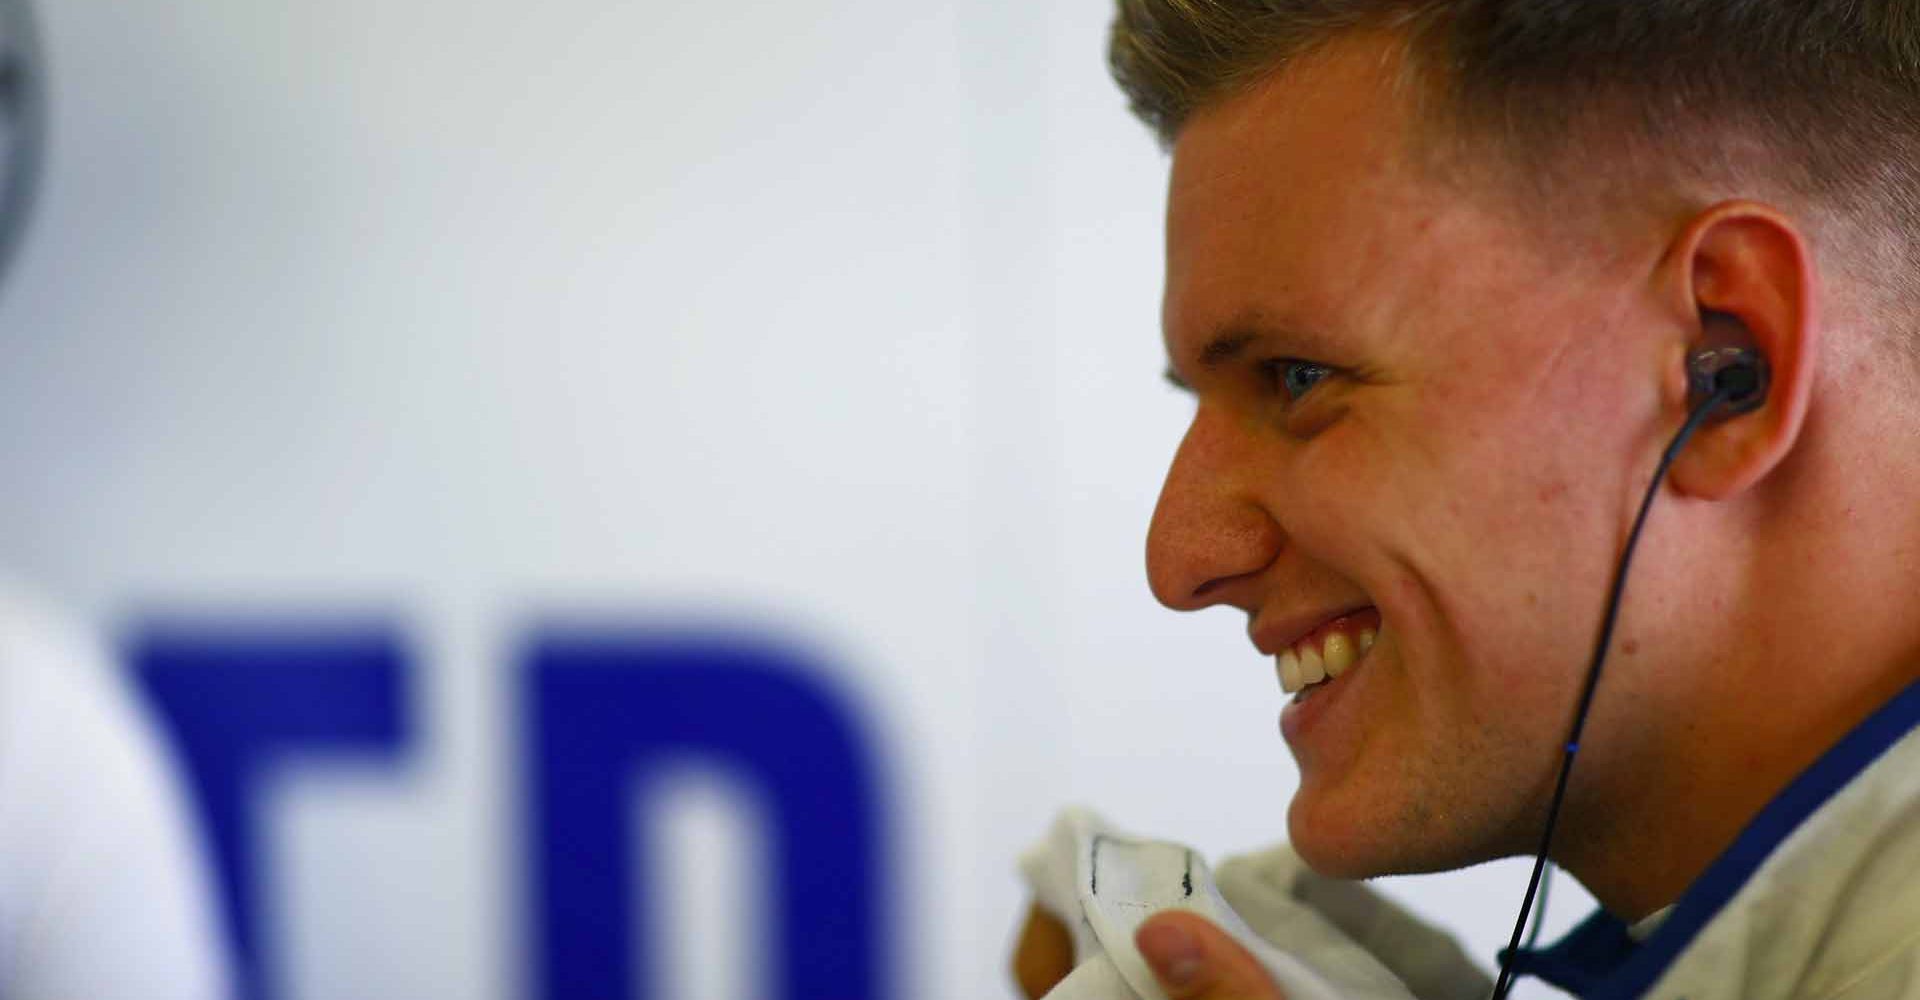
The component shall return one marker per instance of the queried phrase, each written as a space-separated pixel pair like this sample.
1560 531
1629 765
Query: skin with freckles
1417 391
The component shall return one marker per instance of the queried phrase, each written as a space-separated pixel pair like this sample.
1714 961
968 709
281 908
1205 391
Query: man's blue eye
1297 377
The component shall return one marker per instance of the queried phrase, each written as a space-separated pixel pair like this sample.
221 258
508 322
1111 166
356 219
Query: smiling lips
1327 651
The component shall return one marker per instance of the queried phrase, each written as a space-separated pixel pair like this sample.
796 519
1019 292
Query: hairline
1650 172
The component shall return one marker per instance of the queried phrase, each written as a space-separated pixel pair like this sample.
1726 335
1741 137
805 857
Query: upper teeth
1303 664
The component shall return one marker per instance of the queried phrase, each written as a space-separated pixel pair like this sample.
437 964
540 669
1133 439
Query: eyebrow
1223 348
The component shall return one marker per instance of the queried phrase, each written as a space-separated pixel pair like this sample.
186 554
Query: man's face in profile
1416 399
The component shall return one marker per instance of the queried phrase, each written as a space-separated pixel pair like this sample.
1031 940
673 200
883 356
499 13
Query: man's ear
1747 277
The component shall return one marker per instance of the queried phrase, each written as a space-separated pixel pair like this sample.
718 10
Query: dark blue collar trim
1583 959
1600 963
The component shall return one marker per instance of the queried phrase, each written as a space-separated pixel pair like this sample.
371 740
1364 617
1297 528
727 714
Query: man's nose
1210 536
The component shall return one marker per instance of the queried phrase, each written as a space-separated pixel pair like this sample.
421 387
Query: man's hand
1194 960
1044 955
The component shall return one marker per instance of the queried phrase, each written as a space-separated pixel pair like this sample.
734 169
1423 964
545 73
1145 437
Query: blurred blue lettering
238 699
602 710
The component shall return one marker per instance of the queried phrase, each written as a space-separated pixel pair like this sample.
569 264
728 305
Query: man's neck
1687 809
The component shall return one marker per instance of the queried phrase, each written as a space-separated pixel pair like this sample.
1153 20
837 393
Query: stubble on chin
1421 823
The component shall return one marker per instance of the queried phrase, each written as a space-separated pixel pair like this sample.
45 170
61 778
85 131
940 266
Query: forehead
1334 116
1296 193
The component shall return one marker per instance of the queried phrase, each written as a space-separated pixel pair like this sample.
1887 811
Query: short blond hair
1822 97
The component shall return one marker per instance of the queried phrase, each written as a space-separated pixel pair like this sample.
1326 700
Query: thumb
1194 960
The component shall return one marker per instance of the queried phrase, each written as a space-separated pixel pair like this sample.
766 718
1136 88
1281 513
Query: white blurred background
836 321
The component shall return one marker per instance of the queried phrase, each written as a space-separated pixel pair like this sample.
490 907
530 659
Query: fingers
1044 955
1194 960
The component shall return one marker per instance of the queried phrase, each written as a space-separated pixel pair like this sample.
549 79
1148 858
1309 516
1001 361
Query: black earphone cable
1540 915
1725 389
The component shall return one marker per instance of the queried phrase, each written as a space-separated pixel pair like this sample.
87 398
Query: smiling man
1434 272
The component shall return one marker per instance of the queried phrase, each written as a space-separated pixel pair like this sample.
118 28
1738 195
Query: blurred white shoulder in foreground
103 891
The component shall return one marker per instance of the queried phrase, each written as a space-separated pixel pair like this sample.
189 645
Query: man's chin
1361 843
1335 857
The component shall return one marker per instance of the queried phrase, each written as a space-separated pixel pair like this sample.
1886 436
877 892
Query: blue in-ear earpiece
1739 372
